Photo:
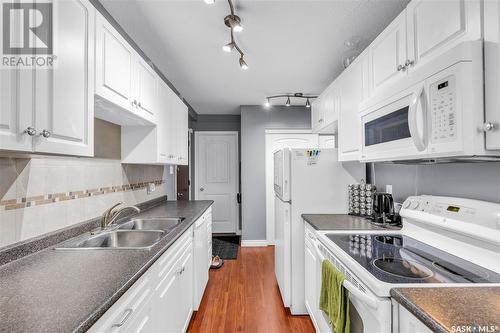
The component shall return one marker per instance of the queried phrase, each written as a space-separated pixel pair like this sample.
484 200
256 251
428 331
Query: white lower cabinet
406 322
162 299
202 250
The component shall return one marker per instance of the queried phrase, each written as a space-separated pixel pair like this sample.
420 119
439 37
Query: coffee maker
383 208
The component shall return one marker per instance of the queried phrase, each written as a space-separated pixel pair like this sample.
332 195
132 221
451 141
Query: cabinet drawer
126 312
167 260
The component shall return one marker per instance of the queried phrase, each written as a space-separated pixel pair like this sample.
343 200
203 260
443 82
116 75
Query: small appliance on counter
383 209
361 199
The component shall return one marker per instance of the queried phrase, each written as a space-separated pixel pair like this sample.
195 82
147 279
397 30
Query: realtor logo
27 36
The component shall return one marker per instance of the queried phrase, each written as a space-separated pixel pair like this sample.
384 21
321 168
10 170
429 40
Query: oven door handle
418 140
371 301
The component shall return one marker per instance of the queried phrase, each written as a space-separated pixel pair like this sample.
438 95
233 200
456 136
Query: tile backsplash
40 195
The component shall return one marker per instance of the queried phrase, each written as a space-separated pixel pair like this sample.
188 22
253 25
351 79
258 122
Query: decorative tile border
45 199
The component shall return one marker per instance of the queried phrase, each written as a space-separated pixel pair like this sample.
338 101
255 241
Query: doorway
279 139
182 182
217 177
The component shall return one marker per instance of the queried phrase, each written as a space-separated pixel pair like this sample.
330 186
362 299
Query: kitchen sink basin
118 239
164 224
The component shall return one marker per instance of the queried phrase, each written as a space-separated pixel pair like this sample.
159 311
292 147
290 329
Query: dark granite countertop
341 222
441 309
68 291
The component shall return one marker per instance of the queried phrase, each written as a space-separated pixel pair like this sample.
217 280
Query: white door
349 133
114 63
276 140
387 53
146 90
64 107
435 26
217 177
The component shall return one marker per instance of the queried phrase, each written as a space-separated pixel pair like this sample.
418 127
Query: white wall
39 195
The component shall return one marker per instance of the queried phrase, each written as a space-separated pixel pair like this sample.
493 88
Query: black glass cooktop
402 259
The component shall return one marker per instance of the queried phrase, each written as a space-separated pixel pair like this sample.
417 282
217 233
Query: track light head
228 47
243 64
209 2
288 101
233 22
267 103
308 104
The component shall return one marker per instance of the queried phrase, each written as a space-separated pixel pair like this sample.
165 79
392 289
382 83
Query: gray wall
479 181
254 121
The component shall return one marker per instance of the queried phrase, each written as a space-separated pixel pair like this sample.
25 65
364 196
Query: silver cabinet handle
127 313
202 189
488 127
409 63
45 133
139 104
31 131
401 68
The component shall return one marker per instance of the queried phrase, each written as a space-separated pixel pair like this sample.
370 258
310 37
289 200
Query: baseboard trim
253 243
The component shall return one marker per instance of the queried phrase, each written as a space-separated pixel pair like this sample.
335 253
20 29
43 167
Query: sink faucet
111 215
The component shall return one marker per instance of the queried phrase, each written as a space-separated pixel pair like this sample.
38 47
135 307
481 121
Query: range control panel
443 110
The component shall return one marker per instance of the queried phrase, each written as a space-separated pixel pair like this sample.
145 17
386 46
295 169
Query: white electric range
444 242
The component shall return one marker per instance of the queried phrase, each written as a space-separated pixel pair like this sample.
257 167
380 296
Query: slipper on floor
216 262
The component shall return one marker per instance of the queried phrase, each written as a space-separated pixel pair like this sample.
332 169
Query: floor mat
226 247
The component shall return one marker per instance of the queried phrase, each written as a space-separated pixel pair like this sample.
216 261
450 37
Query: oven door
397 128
368 313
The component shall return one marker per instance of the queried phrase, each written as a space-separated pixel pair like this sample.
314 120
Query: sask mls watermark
27 35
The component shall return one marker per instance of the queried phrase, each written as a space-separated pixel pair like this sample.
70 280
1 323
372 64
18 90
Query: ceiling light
267 103
243 64
209 2
288 101
233 22
228 47
308 105
307 97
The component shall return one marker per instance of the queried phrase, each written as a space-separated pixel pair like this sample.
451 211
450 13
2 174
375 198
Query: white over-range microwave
437 114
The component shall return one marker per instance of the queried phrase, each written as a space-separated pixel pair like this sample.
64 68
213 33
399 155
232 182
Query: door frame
269 234
197 135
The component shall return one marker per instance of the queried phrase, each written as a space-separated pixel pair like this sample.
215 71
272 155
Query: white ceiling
290 46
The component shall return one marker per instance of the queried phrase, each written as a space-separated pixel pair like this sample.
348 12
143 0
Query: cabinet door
331 104
163 121
349 132
316 114
64 104
114 65
16 113
146 90
171 143
310 281
182 132
173 308
387 54
435 26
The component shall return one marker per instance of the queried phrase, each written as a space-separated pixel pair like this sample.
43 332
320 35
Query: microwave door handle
418 140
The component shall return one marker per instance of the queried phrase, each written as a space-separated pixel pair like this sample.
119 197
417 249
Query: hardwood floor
243 296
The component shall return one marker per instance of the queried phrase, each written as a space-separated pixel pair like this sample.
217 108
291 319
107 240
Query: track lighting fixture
233 22
228 47
288 102
243 64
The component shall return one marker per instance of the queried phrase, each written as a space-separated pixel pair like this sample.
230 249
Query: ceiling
290 46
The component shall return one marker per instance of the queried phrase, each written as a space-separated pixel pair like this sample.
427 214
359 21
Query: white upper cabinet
125 83
51 110
325 108
434 26
387 54
352 92
64 104
114 58
146 89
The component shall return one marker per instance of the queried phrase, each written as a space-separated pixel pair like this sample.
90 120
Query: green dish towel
334 298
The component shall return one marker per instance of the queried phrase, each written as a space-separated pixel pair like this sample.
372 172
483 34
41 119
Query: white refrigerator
306 181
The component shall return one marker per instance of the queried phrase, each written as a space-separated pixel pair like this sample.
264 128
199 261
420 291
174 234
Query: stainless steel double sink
141 233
